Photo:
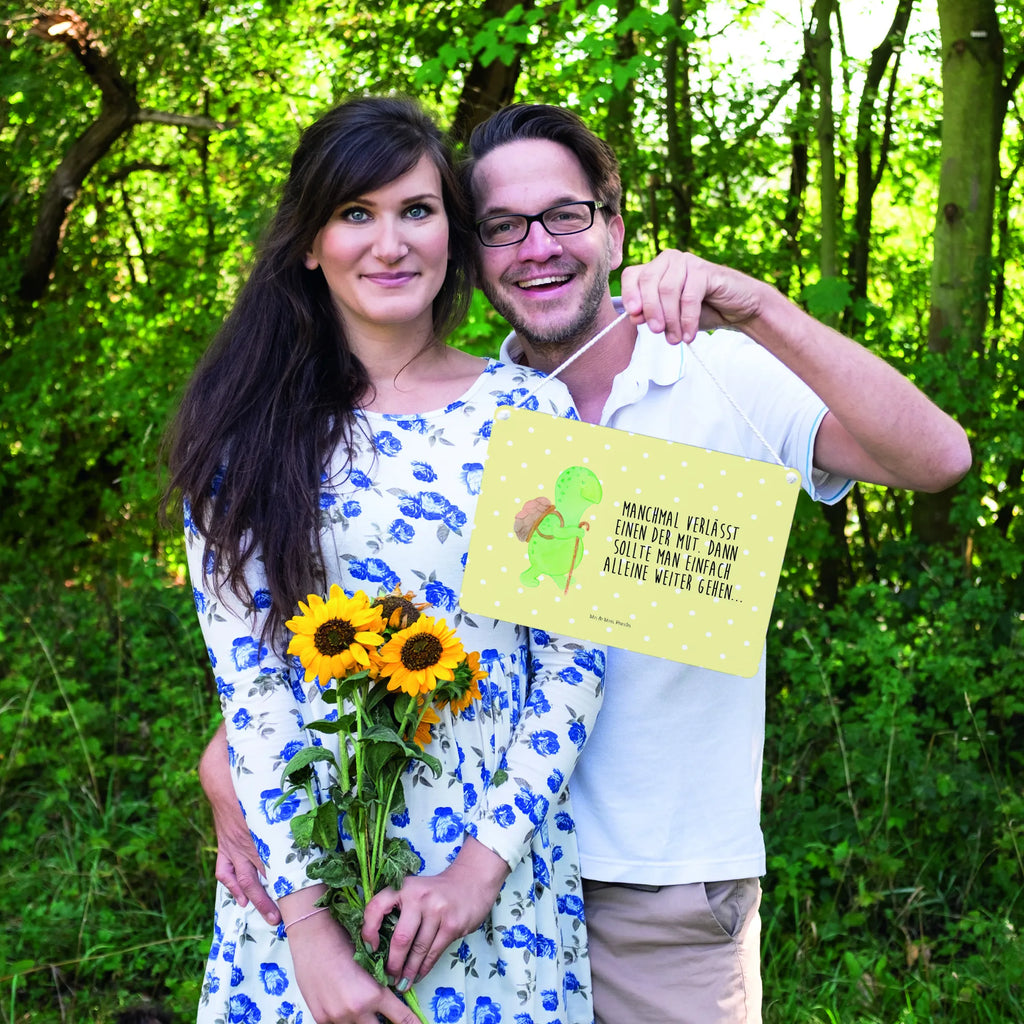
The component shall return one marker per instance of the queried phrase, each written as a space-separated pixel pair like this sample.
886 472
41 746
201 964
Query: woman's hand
335 988
435 910
238 865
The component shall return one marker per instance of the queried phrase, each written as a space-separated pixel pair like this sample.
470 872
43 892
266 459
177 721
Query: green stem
359 833
343 760
409 717
381 824
414 1004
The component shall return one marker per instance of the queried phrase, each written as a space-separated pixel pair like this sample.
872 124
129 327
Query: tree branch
119 113
60 193
206 124
67 27
885 59
1014 79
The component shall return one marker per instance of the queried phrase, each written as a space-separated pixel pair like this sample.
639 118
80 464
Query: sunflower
472 693
417 657
423 732
398 609
332 636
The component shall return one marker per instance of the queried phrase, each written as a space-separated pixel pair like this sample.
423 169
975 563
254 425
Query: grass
106 883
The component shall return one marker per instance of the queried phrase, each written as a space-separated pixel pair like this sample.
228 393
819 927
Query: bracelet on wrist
305 917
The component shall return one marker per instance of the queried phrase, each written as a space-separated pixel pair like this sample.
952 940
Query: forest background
865 157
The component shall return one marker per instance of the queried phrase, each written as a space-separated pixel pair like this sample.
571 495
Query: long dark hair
275 394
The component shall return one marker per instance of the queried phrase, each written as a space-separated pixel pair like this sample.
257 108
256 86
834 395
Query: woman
330 436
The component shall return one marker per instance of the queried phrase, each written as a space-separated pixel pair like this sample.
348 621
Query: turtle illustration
554 530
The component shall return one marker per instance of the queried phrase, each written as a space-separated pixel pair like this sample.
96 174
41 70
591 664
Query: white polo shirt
668 788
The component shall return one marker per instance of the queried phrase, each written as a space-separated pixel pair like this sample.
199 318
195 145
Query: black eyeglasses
563 219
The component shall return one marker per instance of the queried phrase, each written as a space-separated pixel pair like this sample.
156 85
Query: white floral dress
402 515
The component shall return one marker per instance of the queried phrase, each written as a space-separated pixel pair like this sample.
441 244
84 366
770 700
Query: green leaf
381 695
302 826
828 298
19 966
382 733
298 769
484 38
384 762
325 827
452 55
338 869
372 963
351 919
398 861
622 76
429 760
397 801
347 804
329 727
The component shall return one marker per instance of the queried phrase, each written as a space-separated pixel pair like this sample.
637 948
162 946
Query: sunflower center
421 651
334 636
391 603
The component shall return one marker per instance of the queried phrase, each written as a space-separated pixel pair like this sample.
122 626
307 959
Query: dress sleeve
264 707
564 696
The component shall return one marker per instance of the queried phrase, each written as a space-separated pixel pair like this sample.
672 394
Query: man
667 791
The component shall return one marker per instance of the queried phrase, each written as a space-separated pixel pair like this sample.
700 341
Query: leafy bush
105 844
893 805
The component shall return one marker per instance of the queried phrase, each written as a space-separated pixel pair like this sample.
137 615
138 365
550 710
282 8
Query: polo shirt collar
653 359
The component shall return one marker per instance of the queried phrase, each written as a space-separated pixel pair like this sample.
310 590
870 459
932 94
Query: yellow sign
630 541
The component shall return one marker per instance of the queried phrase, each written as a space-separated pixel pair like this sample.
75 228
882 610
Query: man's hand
435 910
879 428
238 864
679 293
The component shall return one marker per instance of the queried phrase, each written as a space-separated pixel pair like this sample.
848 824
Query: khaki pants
675 954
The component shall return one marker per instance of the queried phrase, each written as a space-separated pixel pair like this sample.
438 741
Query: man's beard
568 336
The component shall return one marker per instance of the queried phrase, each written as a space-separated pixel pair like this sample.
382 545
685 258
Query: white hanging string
691 350
732 401
572 359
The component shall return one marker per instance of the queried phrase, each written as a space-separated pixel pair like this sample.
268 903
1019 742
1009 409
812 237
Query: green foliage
828 298
893 776
892 804
105 842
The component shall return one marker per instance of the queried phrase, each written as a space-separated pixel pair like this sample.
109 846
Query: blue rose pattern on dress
401 516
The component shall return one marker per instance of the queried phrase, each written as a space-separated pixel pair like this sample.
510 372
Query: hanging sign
630 541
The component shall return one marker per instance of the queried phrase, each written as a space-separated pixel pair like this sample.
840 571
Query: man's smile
540 282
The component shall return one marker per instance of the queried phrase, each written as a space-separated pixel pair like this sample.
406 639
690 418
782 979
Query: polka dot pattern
678 557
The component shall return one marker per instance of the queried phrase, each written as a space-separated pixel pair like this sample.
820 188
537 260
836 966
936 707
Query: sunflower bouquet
390 669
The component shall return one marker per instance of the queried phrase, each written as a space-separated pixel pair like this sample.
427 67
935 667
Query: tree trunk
819 51
679 132
619 132
119 113
869 173
791 280
819 56
486 89
973 107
